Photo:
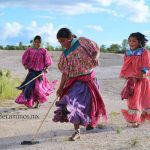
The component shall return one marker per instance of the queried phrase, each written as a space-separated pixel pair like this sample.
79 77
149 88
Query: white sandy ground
54 136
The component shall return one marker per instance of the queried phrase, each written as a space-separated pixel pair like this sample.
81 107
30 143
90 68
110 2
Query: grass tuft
8 85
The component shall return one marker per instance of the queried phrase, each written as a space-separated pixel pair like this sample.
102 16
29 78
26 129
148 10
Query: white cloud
45 17
110 11
47 32
146 32
63 7
33 24
148 43
79 32
76 9
66 7
97 28
105 2
17 30
11 30
136 11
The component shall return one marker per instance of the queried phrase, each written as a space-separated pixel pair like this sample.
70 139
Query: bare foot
37 105
133 125
75 136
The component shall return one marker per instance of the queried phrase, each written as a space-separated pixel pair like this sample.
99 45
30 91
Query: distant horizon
56 46
104 21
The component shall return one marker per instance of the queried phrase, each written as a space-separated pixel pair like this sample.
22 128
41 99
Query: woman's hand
26 67
46 69
61 86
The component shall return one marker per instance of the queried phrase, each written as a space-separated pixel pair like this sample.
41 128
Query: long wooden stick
31 80
37 131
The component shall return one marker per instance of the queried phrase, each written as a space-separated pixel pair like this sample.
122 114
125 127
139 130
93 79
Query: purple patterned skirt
75 106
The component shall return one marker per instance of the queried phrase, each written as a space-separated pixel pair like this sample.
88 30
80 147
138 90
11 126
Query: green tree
10 47
1 47
115 48
124 44
148 47
103 48
59 48
20 47
49 47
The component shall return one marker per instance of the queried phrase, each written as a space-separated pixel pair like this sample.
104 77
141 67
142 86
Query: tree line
117 48
113 48
20 46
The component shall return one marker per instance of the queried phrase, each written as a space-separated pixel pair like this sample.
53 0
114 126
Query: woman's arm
48 60
25 58
62 84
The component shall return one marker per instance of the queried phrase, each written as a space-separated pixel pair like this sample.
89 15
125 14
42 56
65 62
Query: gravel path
54 136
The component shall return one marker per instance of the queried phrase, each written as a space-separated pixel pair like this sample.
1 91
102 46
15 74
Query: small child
135 70
36 60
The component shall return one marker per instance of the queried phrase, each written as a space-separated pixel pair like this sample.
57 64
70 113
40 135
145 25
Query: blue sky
104 21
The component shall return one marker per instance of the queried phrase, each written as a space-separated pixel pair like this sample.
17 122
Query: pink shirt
36 59
133 65
81 60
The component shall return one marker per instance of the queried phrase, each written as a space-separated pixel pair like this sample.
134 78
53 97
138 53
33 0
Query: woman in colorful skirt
80 101
136 70
36 60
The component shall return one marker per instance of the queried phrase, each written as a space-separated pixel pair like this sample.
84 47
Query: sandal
75 136
133 125
89 127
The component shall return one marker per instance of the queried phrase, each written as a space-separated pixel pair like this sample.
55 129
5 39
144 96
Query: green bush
8 85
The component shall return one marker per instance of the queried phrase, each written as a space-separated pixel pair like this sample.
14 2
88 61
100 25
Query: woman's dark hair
140 37
64 33
37 37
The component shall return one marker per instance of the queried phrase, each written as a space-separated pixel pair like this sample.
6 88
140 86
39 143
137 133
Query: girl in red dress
136 70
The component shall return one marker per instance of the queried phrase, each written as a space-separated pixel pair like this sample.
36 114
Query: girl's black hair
64 33
37 37
140 37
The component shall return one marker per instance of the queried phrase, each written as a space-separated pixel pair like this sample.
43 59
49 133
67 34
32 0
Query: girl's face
37 43
133 43
65 42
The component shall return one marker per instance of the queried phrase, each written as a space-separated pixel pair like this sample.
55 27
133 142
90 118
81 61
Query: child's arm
145 64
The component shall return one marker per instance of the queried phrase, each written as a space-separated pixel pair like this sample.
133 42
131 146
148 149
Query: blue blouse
137 52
